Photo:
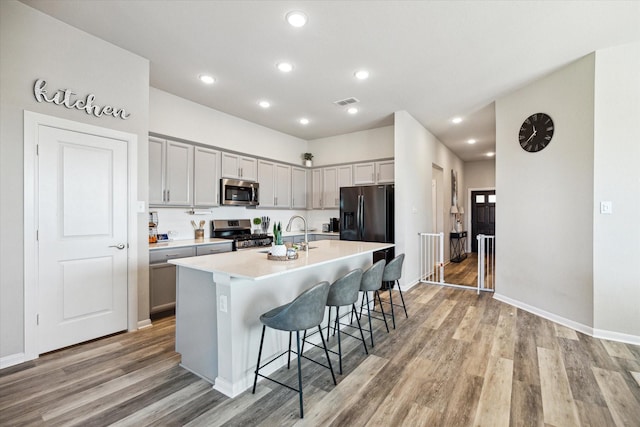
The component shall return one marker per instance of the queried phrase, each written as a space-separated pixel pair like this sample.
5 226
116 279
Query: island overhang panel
220 299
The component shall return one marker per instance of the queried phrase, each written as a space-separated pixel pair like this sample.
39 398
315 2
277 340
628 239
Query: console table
457 245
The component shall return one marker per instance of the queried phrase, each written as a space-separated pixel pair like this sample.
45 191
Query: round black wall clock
536 132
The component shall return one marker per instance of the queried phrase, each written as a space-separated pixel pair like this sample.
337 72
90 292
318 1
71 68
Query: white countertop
167 244
253 263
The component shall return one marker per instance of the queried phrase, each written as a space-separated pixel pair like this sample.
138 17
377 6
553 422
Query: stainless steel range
239 230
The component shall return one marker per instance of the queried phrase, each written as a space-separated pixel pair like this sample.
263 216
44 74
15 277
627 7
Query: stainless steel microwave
237 192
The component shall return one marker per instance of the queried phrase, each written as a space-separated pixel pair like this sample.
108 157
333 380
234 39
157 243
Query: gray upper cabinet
275 184
373 173
172 185
239 167
206 172
298 188
385 172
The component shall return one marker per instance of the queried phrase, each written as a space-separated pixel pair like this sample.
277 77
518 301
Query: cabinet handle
372 178
168 195
276 200
170 255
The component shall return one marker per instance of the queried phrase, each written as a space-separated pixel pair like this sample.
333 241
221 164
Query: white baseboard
546 315
616 336
146 323
12 359
596 333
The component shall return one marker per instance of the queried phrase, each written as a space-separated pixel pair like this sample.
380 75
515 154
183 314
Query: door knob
120 246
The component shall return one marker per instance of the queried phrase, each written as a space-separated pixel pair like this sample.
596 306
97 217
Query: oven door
236 192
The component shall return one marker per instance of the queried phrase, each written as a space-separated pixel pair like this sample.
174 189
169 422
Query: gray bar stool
392 273
344 292
371 282
304 312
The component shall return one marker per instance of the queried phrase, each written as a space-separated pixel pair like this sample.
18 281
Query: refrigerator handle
361 215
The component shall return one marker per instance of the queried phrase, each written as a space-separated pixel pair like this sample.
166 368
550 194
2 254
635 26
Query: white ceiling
434 59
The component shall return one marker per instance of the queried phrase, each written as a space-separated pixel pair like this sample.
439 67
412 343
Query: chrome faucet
305 244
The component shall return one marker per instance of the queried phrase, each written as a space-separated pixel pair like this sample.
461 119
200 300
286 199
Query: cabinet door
179 171
363 173
156 171
230 167
162 287
298 188
345 179
316 188
283 185
266 179
216 248
248 168
385 172
330 194
206 177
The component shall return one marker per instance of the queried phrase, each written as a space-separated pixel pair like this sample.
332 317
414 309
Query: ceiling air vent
346 101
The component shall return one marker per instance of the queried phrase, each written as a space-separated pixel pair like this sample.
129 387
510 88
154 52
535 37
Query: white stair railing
432 258
486 263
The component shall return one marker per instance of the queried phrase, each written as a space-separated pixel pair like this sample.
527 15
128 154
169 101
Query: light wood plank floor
458 360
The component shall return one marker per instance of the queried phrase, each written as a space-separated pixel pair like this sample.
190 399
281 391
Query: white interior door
82 237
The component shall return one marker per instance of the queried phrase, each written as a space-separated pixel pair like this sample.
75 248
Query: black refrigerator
366 214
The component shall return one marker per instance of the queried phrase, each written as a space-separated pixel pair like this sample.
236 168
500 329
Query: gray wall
416 151
616 237
544 226
32 46
557 254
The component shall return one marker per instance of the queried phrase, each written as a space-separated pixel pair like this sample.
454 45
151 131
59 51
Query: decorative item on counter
153 227
198 230
279 249
308 157
265 224
257 222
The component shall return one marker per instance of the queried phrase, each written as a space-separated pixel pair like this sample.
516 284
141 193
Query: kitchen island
220 299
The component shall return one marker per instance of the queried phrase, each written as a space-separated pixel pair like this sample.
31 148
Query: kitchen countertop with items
165 244
253 263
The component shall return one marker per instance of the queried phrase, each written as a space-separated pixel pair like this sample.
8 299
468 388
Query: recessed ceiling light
285 67
264 104
491 154
296 18
471 141
304 121
361 74
456 120
205 78
352 110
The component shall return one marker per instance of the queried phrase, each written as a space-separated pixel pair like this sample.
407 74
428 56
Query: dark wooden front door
483 215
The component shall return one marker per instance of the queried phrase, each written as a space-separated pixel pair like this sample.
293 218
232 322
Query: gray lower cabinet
213 249
327 237
162 275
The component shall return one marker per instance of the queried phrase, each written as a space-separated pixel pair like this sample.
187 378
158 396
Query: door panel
348 213
483 215
374 215
82 218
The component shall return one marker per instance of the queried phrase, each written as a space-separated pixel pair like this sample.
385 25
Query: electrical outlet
223 303
606 208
